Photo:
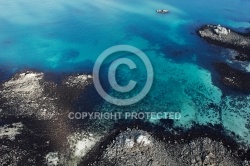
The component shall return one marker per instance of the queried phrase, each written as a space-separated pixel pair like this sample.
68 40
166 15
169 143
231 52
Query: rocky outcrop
29 94
227 38
218 35
34 123
204 151
129 149
24 95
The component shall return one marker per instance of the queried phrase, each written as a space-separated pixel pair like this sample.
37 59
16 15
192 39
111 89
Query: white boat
162 11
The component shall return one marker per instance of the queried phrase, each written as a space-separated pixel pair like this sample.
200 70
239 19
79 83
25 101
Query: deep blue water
66 36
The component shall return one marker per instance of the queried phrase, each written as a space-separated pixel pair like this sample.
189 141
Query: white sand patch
10 131
79 81
80 145
52 159
208 116
83 146
236 116
143 140
234 122
134 139
187 115
129 143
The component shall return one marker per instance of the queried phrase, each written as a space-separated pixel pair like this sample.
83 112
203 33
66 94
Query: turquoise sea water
68 36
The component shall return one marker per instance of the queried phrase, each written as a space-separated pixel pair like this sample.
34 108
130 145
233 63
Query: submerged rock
233 78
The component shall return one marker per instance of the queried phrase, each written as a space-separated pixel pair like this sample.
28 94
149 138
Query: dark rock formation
29 94
138 147
227 38
21 146
34 121
233 78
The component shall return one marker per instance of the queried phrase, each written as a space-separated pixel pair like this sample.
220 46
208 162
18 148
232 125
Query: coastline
48 51
55 130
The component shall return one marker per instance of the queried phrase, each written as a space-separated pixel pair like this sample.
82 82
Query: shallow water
67 36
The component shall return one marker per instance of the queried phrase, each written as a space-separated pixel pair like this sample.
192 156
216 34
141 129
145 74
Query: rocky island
225 37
